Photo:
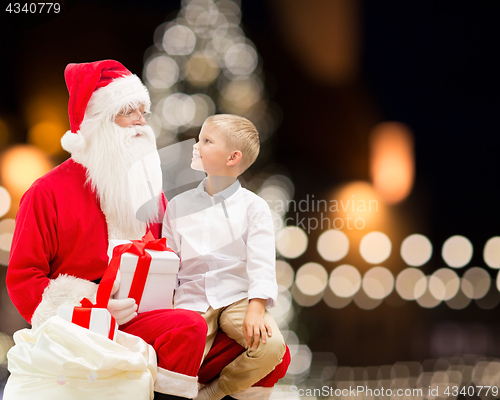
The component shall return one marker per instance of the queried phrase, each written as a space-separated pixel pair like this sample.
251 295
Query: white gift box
99 321
161 281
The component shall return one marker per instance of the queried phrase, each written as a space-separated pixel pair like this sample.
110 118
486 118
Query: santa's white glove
123 310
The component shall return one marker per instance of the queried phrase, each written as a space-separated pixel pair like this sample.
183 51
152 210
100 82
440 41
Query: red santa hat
99 89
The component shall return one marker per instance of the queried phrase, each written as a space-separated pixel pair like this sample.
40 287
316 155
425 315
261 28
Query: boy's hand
255 326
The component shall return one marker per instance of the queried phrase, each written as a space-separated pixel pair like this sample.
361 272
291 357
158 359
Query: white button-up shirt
226 245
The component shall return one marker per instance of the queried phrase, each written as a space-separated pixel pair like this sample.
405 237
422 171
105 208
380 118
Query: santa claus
66 218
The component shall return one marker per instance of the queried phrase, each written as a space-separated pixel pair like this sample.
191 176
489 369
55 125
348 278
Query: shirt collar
226 194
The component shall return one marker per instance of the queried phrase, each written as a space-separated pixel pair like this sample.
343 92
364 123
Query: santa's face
130 117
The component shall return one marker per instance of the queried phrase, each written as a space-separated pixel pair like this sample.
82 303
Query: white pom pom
73 142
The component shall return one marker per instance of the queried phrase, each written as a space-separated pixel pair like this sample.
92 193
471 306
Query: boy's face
210 153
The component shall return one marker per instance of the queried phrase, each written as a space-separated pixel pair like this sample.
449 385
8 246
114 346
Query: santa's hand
123 310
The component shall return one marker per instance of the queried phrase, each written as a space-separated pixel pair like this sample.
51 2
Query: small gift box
148 275
98 320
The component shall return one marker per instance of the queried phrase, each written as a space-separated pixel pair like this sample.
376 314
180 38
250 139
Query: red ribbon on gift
81 316
137 247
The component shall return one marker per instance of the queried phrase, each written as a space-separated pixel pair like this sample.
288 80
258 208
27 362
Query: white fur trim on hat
65 290
169 382
73 142
119 94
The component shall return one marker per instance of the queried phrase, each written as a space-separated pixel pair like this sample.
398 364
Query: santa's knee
191 323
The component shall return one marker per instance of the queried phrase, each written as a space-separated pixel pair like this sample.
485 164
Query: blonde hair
240 134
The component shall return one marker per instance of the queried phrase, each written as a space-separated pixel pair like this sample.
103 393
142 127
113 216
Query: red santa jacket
60 229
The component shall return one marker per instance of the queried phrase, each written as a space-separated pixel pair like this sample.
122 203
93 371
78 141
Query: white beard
119 165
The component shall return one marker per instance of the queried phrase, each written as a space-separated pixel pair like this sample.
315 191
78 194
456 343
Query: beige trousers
252 365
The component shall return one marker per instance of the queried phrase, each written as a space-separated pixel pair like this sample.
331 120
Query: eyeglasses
135 115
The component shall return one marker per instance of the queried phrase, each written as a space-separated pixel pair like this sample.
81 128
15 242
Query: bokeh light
411 284
305 300
490 300
378 283
179 109
345 281
364 301
416 250
333 245
427 300
21 165
202 68
46 135
359 201
457 251
476 282
179 40
5 201
283 304
301 361
311 279
375 247
444 284
284 183
284 274
240 94
276 197
205 49
491 253
161 72
241 59
291 241
6 342
392 160
204 107
6 241
459 302
334 301
6 234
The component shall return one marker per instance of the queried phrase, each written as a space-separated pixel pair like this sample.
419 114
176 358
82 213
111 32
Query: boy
225 238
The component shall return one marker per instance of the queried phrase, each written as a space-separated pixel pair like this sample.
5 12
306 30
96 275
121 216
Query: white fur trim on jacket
176 384
65 290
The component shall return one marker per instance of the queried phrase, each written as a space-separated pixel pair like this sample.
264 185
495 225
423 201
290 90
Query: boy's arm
261 269
261 254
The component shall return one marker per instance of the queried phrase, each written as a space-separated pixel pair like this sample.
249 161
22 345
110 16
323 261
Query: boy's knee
272 351
277 348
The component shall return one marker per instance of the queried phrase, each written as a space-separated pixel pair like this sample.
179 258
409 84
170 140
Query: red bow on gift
137 247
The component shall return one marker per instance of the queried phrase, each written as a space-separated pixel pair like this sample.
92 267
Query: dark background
433 65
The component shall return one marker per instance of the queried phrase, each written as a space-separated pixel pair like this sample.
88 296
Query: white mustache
144 131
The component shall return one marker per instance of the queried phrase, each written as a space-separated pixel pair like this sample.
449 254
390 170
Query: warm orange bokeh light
392 161
357 201
324 35
20 166
46 136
